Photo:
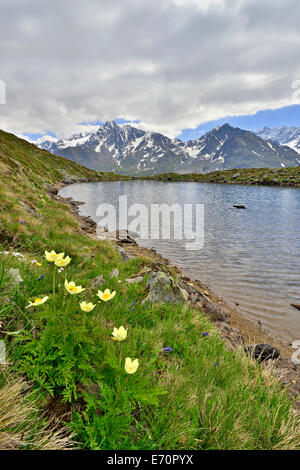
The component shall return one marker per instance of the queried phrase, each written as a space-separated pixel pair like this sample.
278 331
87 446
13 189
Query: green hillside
63 381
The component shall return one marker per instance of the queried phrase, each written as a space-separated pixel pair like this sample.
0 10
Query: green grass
265 176
198 396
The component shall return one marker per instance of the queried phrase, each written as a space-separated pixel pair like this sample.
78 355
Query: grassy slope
199 396
283 176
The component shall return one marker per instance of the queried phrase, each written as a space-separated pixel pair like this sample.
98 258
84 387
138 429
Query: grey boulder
164 288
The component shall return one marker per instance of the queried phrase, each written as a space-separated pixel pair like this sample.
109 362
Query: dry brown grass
20 425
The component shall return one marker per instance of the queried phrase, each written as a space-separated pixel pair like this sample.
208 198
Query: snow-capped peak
283 135
127 149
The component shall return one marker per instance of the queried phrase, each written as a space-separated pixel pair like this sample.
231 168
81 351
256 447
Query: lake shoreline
282 177
69 359
251 332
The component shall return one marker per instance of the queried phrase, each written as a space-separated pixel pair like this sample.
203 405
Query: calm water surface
249 256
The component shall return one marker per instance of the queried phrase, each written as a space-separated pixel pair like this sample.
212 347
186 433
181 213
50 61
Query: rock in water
163 288
297 306
262 351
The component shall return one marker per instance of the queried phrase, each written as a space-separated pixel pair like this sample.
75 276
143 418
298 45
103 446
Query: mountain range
283 135
129 150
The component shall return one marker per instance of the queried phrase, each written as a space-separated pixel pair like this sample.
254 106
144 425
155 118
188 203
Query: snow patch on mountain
131 150
283 135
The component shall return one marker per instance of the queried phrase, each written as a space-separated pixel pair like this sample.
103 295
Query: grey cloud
170 66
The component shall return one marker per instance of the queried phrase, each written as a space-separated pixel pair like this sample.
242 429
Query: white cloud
172 64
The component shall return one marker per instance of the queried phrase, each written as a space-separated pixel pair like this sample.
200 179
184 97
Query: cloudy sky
172 65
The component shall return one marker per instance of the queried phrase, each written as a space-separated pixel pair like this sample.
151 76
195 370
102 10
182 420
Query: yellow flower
52 256
72 289
62 263
119 334
87 307
106 295
131 366
38 301
34 261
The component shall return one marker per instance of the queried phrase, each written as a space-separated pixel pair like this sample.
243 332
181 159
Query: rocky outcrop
119 236
199 300
69 178
163 288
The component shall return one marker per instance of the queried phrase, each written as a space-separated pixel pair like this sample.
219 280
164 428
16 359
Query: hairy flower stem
68 304
53 279
120 361
120 390
104 307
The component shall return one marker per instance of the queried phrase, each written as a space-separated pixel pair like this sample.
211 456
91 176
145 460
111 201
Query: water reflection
250 256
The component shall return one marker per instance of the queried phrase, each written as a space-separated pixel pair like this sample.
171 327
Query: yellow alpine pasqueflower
106 295
38 301
62 263
87 307
53 256
119 334
72 289
131 366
